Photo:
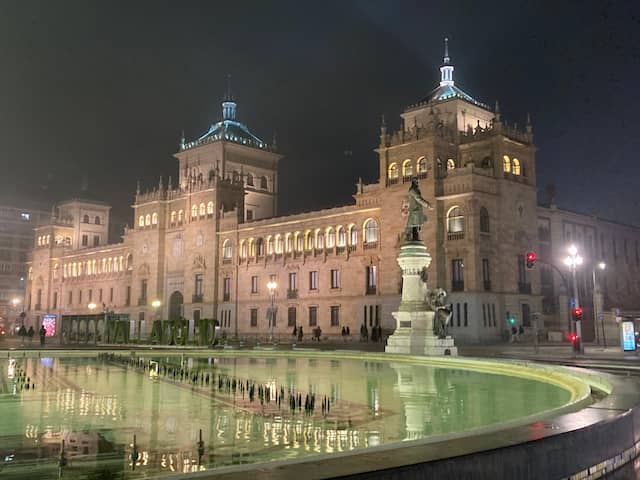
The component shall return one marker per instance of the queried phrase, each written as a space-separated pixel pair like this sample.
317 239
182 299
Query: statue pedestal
414 322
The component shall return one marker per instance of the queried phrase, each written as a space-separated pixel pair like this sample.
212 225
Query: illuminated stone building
207 245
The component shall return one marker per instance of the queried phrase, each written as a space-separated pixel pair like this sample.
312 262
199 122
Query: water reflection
96 406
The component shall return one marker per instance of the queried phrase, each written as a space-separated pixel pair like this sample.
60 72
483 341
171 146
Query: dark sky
104 89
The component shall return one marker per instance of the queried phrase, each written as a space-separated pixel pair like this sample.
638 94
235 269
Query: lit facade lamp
574 260
272 287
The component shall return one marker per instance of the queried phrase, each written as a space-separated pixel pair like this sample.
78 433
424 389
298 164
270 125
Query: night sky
103 89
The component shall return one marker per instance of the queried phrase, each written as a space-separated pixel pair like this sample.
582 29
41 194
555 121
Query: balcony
455 235
196 298
457 286
292 293
524 288
370 245
487 285
371 290
226 261
340 250
142 301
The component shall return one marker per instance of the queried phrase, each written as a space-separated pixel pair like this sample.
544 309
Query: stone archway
175 305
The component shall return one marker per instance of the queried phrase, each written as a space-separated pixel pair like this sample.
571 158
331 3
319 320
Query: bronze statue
436 302
416 216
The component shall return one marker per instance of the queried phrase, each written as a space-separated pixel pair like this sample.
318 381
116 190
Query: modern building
208 245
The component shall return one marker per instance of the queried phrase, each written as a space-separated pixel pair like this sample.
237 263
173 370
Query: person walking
520 332
43 333
22 333
31 333
514 331
300 333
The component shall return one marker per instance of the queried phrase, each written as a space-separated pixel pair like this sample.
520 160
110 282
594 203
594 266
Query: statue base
414 335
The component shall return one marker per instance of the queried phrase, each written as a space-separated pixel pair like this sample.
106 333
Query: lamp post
15 302
272 286
597 300
572 261
92 307
156 306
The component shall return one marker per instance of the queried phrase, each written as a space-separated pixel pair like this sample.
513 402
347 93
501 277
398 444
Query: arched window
65 269
270 245
141 221
506 164
484 220
94 266
56 271
40 240
279 244
370 231
194 211
30 273
342 237
243 249
308 240
260 247
393 171
299 242
180 216
422 165
319 239
331 237
451 164
85 219
263 182
115 264
252 248
210 208
97 220
455 220
121 262
407 168
154 219
227 250
288 243
173 217
486 163
353 235
516 167
147 219
203 210
249 180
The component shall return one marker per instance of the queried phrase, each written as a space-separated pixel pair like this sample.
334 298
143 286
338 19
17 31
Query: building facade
208 245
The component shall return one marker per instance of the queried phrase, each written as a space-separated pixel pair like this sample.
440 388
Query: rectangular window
85 240
70 299
335 316
96 240
198 285
523 283
291 317
293 281
128 296
249 215
526 315
457 275
335 278
458 313
313 280
80 297
372 280
196 317
254 317
111 295
313 316
143 291
493 313
100 295
484 315
90 295
254 284
226 289
486 274
141 316
466 314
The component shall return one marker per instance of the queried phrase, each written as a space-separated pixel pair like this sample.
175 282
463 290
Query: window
457 275
486 274
466 314
353 235
299 242
370 231
127 300
260 247
90 294
291 317
523 285
254 284
407 168
313 316
154 219
180 216
372 279
194 211
227 250
451 164
226 289
96 240
99 295
97 220
484 220
55 300
319 239
85 219
342 237
393 171
422 165
515 167
111 295
203 210
143 292
293 281
173 216
270 248
313 280
249 180
210 208
335 278
263 183
70 298
198 286
335 316
141 221
455 220
196 318
289 243
249 215
254 317
279 244
85 240
331 238
147 220
243 249
506 164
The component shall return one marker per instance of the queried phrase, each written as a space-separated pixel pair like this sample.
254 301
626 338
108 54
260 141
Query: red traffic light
577 313
531 259
573 337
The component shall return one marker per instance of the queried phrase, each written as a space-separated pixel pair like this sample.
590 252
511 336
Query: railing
422 175
370 245
487 284
340 250
142 301
455 235
371 290
392 181
524 288
226 261
292 293
196 298
457 285
351 248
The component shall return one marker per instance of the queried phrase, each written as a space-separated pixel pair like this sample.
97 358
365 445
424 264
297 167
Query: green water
97 406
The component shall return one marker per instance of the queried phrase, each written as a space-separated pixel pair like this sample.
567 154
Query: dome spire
446 70
228 104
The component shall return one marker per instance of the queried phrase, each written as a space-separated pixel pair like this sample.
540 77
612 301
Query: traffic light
573 337
577 313
531 259
512 320
575 341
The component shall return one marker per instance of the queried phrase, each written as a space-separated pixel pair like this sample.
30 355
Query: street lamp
156 305
597 300
572 261
271 286
15 302
92 306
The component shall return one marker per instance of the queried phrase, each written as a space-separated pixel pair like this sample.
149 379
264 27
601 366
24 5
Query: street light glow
156 303
15 302
602 265
573 250
92 306
272 286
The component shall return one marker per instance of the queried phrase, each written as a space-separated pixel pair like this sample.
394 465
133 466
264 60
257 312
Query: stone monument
423 315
